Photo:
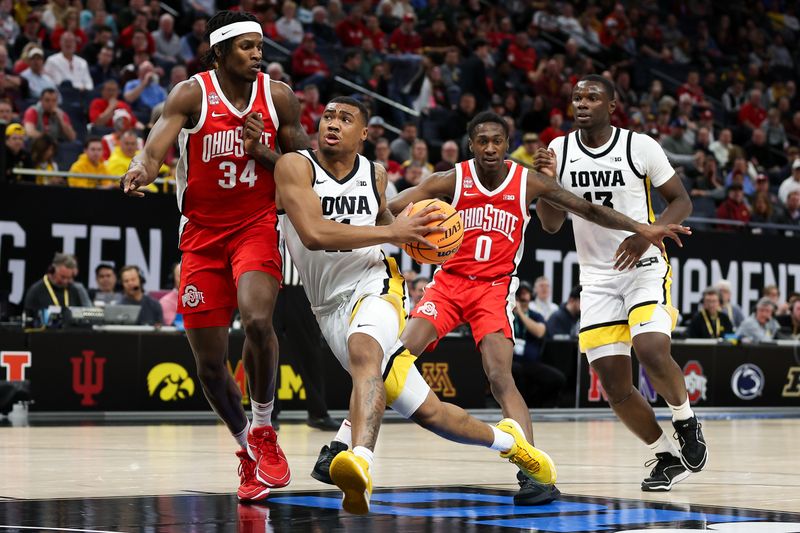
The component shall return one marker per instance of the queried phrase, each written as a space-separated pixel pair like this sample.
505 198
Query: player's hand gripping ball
448 241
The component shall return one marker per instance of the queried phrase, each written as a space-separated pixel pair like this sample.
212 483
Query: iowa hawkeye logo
171 381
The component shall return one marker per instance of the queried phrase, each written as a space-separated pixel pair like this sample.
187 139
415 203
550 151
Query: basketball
448 242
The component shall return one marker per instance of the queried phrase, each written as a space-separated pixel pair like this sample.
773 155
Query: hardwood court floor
753 463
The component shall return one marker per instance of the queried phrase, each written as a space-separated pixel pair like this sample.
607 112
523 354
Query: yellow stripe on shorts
605 333
396 372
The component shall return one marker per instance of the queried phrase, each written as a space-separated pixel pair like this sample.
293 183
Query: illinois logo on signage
747 381
171 381
792 387
87 376
696 381
438 378
15 364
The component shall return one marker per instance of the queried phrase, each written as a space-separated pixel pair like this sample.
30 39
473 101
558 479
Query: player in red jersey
229 122
477 285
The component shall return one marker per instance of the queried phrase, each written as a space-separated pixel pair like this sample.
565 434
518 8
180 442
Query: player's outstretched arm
550 216
439 185
291 135
183 101
296 196
603 216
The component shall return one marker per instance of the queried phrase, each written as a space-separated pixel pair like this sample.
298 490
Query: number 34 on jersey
227 143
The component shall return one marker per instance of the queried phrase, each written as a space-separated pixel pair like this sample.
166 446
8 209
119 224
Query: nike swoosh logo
645 323
225 32
215 115
319 182
365 325
468 194
573 160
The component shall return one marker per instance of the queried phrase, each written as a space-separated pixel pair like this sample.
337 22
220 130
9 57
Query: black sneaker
322 469
325 423
667 471
694 452
534 493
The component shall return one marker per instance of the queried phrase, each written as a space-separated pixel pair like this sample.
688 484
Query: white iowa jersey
330 276
618 175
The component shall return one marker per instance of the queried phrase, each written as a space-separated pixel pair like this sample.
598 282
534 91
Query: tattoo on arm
385 216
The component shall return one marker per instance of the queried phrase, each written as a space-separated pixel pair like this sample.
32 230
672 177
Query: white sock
682 412
262 413
366 454
502 440
241 437
345 434
664 444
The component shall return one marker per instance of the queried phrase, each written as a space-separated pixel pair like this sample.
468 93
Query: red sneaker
250 489
273 469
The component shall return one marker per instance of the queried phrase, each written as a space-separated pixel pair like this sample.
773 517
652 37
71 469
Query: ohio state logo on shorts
429 308
192 297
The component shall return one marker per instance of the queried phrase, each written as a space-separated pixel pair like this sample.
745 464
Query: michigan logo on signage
438 378
171 381
291 384
792 387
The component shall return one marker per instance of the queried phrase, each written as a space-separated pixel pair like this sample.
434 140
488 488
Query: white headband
234 30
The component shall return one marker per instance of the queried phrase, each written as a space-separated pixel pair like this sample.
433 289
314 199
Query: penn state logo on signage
747 381
696 381
192 297
213 99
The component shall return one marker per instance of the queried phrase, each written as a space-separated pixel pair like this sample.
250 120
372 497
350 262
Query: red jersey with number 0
494 223
218 184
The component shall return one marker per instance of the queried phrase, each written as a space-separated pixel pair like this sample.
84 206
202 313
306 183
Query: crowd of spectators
715 85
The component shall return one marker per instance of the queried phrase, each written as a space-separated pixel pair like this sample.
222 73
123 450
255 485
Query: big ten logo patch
87 376
291 384
171 381
792 387
15 364
696 381
437 376
240 378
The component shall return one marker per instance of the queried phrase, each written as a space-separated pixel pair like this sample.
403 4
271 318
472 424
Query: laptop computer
121 314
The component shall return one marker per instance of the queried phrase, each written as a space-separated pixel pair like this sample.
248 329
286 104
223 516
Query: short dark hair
48 90
710 291
575 293
90 140
102 266
349 100
484 118
608 85
221 19
350 54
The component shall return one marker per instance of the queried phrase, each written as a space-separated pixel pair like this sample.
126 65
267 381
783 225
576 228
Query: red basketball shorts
211 268
487 306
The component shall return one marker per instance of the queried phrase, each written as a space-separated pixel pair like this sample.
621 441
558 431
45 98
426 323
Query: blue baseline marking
605 521
444 512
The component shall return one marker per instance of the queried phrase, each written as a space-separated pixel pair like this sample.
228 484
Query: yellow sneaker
351 474
533 462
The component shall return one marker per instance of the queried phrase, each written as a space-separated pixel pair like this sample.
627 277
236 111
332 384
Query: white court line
40 528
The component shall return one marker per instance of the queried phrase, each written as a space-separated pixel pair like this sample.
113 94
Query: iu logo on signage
87 381
15 364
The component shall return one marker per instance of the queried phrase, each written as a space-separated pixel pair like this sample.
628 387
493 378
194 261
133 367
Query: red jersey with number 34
494 223
218 185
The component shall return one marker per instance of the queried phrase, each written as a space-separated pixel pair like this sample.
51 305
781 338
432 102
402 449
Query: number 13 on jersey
248 175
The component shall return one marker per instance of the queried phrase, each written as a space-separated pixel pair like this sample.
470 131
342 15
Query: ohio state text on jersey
218 184
494 223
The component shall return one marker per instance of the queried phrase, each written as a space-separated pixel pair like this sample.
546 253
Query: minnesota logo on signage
438 378
171 381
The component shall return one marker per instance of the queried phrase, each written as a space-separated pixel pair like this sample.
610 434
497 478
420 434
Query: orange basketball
448 242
